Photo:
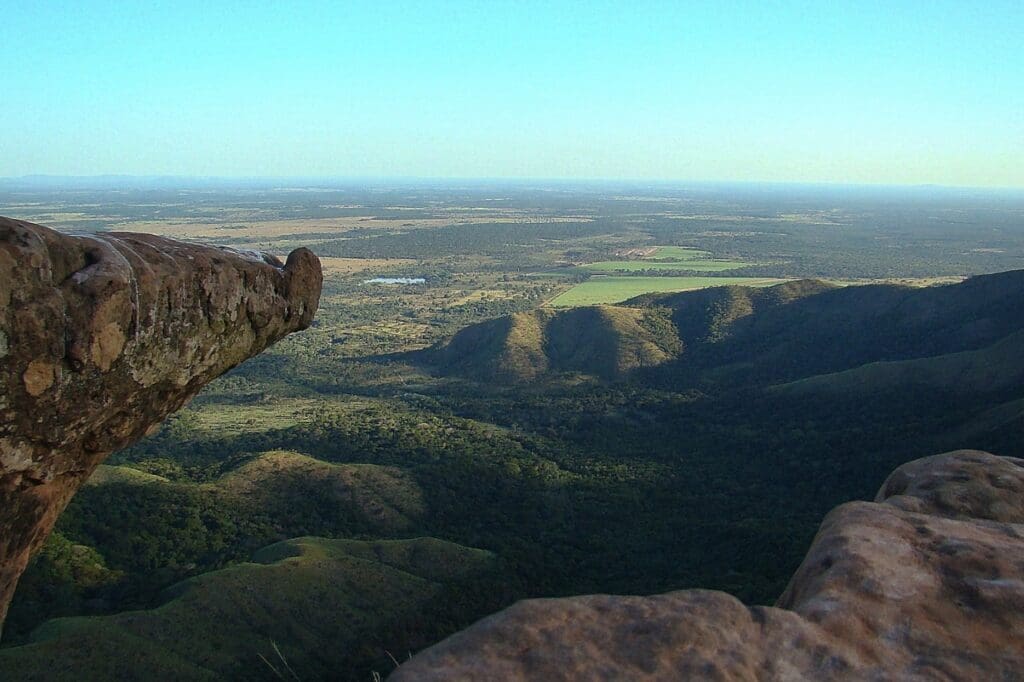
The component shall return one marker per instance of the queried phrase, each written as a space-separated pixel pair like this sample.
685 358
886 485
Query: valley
591 390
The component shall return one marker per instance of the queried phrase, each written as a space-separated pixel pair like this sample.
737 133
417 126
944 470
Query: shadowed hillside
269 497
734 335
994 368
708 315
385 497
602 341
801 329
364 598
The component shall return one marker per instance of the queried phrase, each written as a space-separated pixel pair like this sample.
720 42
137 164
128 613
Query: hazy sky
886 92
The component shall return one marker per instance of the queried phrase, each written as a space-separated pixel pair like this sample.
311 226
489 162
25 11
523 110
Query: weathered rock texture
925 583
103 336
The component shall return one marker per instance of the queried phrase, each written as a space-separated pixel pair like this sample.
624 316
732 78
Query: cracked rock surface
924 583
102 337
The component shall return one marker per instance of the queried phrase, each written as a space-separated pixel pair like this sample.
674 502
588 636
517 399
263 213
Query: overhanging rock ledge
103 336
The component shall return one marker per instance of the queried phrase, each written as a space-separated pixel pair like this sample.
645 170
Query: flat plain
612 289
669 258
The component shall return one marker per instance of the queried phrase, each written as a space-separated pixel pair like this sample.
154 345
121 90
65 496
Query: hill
993 368
602 341
332 608
178 528
385 498
802 329
734 336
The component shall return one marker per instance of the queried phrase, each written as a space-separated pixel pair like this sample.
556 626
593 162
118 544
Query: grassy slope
994 368
843 328
741 336
608 341
333 607
756 336
603 341
709 315
385 496
109 475
177 528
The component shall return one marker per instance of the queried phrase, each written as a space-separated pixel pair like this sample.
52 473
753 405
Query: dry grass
269 229
348 266
900 281
482 295
250 226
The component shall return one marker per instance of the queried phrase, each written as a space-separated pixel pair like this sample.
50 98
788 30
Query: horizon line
837 184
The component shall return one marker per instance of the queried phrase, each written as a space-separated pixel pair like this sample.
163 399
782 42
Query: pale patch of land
277 413
638 252
384 335
252 227
606 290
482 295
665 258
899 281
697 265
347 266
272 229
677 253
809 218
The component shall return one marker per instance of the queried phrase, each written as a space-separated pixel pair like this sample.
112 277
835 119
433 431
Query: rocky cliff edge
924 583
101 337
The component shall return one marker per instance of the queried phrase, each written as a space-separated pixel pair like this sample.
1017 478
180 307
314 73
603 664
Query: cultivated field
669 258
604 290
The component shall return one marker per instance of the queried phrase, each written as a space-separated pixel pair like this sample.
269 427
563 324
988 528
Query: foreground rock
101 337
925 583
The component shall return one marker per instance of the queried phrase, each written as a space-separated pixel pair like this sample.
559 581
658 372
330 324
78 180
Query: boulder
924 583
101 337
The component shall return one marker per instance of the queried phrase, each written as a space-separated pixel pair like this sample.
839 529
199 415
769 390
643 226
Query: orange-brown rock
103 336
925 583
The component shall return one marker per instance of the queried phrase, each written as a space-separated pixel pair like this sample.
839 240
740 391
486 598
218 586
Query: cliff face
102 337
925 583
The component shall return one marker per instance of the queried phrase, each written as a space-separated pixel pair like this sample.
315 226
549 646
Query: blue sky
859 92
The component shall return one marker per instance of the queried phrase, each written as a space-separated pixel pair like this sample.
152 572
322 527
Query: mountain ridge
733 335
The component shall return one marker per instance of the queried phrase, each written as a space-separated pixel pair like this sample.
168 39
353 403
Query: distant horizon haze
116 181
867 93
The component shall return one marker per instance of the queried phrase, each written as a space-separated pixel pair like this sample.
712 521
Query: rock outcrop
103 336
925 583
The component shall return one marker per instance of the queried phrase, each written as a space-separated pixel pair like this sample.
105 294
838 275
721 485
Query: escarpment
924 583
102 337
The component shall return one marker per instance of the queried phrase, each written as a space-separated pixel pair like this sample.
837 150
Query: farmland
668 258
697 265
603 290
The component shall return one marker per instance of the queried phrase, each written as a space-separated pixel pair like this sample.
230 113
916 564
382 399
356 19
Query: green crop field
602 290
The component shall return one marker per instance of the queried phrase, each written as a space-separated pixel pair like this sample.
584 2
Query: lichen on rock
101 337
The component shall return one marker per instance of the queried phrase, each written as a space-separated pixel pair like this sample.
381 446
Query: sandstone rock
925 583
103 336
